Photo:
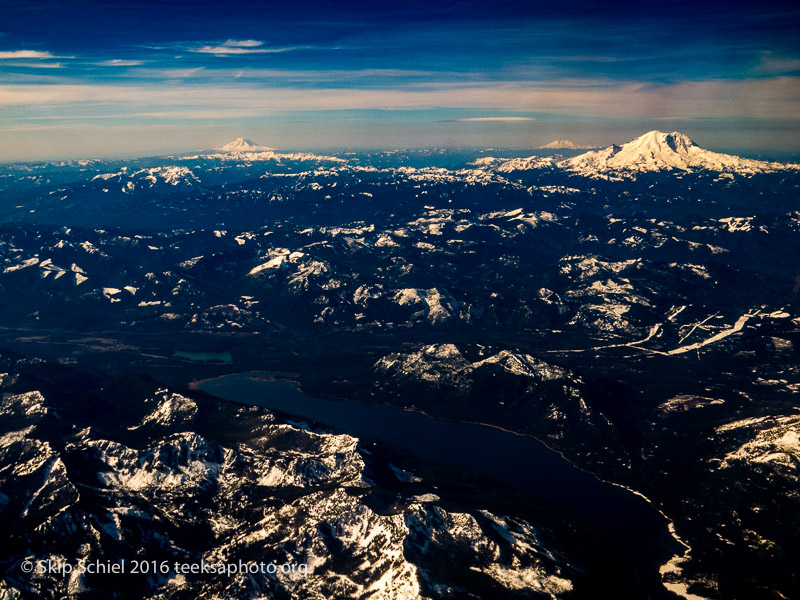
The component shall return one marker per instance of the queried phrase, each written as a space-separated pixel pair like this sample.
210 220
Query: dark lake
204 356
629 523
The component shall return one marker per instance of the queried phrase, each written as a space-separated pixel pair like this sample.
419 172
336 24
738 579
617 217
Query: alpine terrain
402 374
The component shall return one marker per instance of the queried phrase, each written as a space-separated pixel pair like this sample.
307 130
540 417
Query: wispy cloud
314 77
205 114
236 47
777 65
490 119
83 127
32 65
14 54
243 43
335 74
753 98
168 73
116 62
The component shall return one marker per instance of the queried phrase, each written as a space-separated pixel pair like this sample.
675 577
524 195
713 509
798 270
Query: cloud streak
756 98
116 62
14 54
31 65
490 119
417 62
236 47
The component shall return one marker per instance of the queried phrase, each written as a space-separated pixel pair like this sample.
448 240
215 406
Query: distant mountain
563 145
149 178
659 151
244 149
653 152
243 145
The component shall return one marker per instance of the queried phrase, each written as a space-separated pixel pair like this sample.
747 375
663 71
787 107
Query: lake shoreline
247 388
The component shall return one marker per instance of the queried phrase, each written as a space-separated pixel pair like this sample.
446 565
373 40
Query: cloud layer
511 67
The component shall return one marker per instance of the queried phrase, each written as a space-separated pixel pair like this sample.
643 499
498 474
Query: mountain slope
659 151
242 149
243 145
169 480
564 144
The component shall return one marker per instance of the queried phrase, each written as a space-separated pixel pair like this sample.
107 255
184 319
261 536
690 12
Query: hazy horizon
94 79
131 153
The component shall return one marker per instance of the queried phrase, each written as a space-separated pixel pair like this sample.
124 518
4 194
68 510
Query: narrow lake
629 523
204 356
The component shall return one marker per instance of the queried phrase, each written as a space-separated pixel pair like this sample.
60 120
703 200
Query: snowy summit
560 144
659 151
243 145
242 149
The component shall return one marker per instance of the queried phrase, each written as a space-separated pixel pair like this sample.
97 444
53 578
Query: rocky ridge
161 477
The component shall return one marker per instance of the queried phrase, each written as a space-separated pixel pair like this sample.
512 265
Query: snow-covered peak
147 178
659 151
659 142
243 145
171 174
247 150
560 144
509 165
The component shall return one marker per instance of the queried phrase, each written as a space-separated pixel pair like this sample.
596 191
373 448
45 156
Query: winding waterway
630 524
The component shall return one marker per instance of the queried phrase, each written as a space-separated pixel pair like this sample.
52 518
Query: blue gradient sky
119 79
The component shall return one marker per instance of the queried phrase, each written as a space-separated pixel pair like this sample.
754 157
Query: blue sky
112 79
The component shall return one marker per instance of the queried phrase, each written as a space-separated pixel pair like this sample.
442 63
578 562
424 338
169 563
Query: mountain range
655 151
635 308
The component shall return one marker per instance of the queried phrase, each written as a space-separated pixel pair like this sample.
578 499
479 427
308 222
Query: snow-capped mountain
563 145
243 145
653 152
145 179
556 144
659 151
509 165
247 150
